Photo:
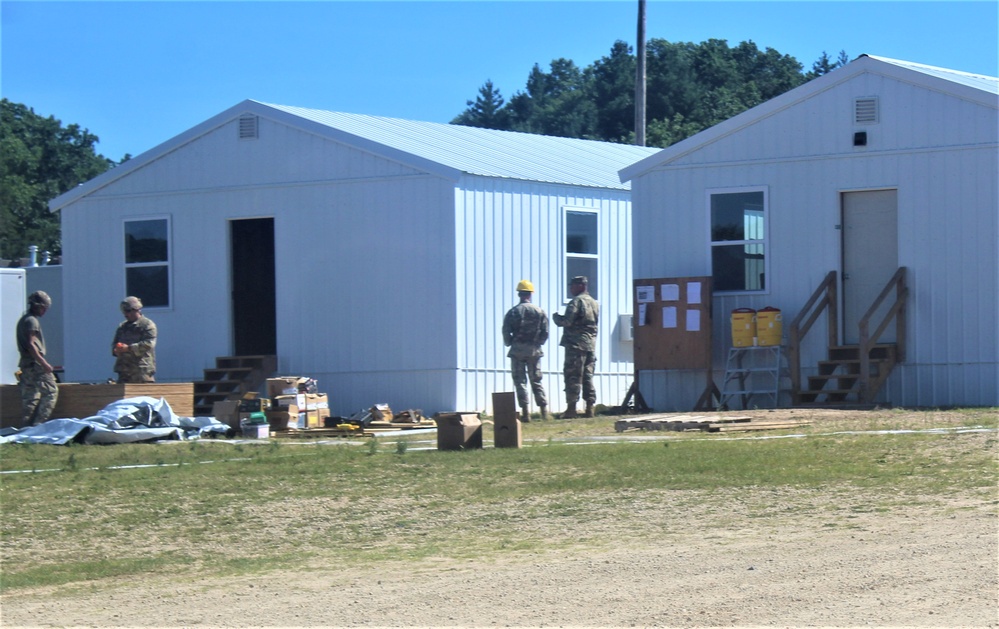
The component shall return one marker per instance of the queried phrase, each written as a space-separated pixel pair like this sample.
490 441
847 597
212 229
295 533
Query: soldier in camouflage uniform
39 390
134 344
525 330
579 340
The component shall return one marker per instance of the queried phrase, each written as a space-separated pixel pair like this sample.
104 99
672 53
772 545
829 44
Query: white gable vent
248 127
865 110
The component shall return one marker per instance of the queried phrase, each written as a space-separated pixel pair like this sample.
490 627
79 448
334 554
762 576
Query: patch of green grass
210 508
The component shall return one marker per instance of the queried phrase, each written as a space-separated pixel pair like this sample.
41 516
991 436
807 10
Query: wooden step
231 378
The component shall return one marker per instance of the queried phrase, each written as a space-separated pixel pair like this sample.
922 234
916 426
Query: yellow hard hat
525 286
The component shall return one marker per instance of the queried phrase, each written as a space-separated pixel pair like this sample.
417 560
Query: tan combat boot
570 412
544 412
589 410
525 414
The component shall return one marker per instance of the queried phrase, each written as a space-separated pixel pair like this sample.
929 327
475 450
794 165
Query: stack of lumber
78 401
704 423
353 430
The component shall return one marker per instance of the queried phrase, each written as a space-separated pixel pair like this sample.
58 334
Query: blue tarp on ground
131 420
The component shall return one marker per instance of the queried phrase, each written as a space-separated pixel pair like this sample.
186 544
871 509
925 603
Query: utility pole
640 78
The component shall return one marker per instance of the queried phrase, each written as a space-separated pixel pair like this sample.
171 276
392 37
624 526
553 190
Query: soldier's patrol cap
40 298
131 303
580 279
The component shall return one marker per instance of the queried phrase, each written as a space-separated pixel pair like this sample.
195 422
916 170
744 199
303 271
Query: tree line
689 87
39 160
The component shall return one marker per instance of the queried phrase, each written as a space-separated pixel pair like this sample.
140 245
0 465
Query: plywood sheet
672 323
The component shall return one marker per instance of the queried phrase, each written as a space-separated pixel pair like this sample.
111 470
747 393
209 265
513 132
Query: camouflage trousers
578 374
526 370
39 393
137 376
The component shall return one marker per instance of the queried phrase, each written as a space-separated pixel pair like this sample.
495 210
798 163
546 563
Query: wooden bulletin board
672 323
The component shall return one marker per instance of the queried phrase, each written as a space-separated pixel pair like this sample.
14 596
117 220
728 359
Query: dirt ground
807 563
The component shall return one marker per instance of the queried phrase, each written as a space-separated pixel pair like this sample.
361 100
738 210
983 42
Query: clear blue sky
137 73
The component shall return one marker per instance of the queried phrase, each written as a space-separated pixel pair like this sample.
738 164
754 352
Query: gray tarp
126 421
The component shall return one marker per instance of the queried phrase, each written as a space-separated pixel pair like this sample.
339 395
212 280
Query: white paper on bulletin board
670 292
693 320
642 313
669 316
645 294
694 293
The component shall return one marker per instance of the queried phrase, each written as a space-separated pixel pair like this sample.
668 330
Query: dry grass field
781 557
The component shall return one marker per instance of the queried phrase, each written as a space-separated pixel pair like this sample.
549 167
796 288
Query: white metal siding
364 263
941 155
508 231
911 118
384 293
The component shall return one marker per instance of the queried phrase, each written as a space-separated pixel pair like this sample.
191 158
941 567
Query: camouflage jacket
579 323
525 330
140 359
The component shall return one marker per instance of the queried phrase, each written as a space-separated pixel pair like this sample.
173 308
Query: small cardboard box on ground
296 419
459 431
506 427
281 420
287 385
227 412
302 401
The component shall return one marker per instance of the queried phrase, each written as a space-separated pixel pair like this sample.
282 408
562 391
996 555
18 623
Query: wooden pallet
704 423
78 401
367 431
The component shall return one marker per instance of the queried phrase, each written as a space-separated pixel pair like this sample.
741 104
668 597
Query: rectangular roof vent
865 110
248 127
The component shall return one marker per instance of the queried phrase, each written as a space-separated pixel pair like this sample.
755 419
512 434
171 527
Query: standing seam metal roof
977 81
488 152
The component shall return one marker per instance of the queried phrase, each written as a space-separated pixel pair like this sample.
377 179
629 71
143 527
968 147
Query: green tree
690 87
824 65
613 94
39 160
555 102
486 110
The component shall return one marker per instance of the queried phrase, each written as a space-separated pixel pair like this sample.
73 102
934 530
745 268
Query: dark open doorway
253 287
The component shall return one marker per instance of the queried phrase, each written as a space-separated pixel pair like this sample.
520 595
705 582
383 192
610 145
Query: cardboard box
459 431
381 413
287 403
506 425
294 420
301 402
227 412
281 420
313 401
286 385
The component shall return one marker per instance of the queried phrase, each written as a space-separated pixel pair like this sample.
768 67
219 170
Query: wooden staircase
230 379
852 375
838 382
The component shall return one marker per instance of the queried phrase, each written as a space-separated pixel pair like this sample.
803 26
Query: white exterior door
870 257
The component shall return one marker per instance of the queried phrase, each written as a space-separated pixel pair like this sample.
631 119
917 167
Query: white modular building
375 255
881 175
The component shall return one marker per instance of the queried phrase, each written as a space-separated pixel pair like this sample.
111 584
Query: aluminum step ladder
758 372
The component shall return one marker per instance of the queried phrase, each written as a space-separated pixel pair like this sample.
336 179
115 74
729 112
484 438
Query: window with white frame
581 247
738 239
147 261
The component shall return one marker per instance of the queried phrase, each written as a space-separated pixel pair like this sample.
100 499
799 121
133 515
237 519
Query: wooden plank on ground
761 425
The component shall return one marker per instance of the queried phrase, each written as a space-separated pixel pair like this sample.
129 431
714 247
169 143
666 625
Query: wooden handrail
867 341
824 297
